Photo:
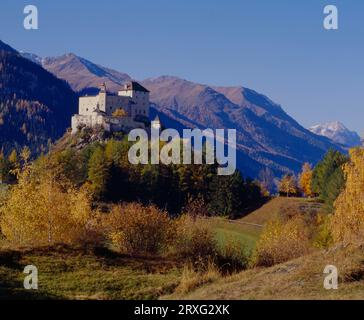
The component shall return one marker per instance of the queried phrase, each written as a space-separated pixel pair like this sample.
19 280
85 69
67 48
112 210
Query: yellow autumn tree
306 179
40 211
347 223
288 185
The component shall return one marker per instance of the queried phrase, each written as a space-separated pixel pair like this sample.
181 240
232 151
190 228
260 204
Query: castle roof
134 86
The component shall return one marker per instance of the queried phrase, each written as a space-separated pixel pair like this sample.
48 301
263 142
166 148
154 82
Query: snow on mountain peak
337 132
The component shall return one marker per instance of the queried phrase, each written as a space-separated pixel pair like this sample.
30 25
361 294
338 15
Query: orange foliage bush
195 239
282 241
138 229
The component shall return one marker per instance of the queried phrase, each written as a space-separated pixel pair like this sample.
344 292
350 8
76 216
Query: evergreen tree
226 196
98 173
328 178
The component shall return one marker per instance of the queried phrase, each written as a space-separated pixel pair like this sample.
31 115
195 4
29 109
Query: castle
127 110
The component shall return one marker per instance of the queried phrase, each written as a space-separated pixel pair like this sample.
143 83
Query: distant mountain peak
79 72
337 132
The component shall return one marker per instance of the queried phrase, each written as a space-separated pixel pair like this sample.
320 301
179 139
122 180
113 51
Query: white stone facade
97 111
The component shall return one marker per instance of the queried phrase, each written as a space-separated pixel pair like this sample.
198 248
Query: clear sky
278 48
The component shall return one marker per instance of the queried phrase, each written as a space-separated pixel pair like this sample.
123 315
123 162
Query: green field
226 230
247 230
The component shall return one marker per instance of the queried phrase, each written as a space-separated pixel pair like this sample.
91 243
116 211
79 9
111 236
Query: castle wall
91 120
87 105
141 100
107 122
133 102
116 102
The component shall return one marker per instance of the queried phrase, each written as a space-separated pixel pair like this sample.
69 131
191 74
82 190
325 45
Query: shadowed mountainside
35 106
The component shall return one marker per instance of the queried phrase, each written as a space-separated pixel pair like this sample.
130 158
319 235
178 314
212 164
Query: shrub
196 207
323 238
281 241
233 256
195 240
138 229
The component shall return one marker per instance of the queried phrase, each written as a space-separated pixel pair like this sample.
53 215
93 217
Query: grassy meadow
98 273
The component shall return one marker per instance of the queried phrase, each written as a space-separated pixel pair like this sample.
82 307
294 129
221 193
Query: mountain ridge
80 73
266 134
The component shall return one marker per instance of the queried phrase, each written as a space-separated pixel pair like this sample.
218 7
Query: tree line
104 169
325 181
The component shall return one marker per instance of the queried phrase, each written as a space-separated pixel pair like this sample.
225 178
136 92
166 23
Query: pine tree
328 177
98 172
226 197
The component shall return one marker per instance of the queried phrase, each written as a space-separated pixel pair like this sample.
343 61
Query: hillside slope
280 207
35 106
301 279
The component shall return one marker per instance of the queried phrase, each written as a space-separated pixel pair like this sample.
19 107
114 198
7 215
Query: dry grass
192 279
281 207
86 273
301 278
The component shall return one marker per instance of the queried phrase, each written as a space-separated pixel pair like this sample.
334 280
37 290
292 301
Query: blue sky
278 48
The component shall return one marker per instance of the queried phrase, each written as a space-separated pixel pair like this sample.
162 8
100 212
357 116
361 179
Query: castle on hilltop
127 110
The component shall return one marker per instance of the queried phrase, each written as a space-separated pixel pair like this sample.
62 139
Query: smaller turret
103 87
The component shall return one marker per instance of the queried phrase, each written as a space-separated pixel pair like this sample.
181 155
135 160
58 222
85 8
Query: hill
301 279
280 207
266 134
35 106
248 229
